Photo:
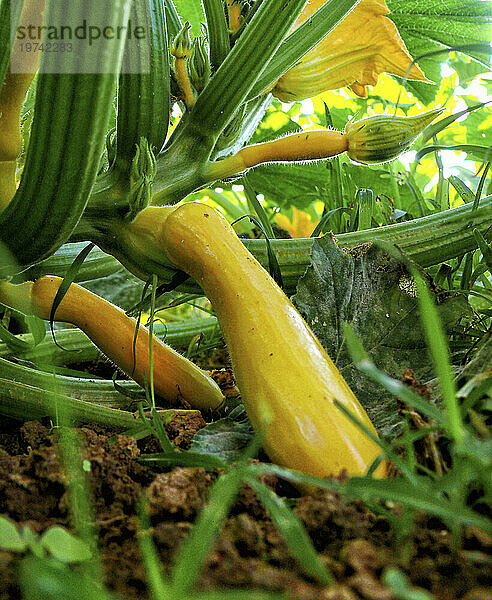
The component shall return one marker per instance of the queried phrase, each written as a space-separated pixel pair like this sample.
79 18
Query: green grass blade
293 532
252 199
159 588
463 190
365 364
439 352
194 551
421 497
183 459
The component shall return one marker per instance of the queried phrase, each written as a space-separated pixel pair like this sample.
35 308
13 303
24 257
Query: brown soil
355 544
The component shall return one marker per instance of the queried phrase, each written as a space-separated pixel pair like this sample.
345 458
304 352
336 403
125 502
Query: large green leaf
192 11
374 292
430 26
298 185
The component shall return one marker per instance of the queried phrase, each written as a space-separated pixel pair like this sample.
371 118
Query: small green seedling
55 541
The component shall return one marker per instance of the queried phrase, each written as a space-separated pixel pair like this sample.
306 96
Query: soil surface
355 544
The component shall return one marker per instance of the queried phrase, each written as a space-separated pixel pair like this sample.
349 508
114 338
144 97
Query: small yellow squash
175 377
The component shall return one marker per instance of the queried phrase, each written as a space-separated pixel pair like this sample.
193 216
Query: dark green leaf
226 438
375 294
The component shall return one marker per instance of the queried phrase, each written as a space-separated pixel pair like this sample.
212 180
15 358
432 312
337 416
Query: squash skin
288 382
175 377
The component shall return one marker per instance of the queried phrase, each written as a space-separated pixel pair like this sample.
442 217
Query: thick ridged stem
217 32
67 138
28 402
428 241
144 84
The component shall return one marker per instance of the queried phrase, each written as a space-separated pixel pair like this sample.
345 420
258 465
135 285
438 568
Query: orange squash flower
364 44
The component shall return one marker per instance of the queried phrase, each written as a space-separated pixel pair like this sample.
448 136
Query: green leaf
192 11
292 185
466 69
429 26
10 538
64 546
226 439
398 582
373 292
47 579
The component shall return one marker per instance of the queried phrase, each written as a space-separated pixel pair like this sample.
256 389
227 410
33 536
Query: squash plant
83 181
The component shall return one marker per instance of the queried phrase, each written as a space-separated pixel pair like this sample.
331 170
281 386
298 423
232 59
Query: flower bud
143 170
384 137
181 46
199 65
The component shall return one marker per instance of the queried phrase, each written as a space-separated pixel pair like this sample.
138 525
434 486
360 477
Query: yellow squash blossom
301 225
364 44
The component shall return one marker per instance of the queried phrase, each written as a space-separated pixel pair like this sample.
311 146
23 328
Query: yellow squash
288 382
12 94
175 377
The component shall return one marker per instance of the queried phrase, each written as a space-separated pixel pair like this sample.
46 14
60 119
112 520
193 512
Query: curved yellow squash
288 382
